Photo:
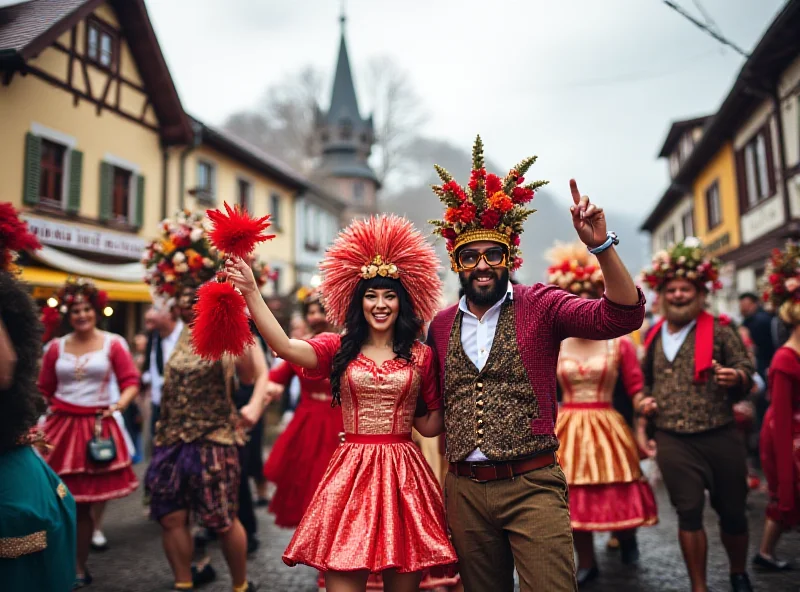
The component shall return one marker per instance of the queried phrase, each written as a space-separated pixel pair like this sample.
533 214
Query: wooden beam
86 79
62 85
62 48
144 109
73 50
102 100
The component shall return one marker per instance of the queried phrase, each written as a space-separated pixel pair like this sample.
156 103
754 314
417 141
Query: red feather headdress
388 246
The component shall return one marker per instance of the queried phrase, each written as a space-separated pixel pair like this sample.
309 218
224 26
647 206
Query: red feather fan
220 322
237 233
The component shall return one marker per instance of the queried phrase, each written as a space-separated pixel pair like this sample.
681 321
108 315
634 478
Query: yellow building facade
716 203
96 150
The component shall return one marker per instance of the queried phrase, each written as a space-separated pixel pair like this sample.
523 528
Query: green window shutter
138 213
106 190
33 169
75 177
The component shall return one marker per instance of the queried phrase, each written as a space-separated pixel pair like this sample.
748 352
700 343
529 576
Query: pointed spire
344 103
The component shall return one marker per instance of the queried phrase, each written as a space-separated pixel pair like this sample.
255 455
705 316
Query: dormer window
101 43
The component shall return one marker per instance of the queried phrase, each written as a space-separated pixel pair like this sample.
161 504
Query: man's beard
484 296
682 315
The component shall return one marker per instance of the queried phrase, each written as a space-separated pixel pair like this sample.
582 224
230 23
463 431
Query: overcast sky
588 86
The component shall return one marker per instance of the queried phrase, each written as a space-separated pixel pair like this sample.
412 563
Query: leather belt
494 471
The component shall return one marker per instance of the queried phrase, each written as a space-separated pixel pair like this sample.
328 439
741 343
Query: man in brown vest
505 495
696 368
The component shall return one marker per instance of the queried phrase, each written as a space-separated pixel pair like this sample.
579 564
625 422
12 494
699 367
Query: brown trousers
521 522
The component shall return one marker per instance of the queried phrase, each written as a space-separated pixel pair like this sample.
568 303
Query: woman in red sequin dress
378 508
311 437
780 431
598 453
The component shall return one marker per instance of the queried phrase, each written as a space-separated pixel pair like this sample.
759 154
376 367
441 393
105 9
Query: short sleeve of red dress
325 346
429 389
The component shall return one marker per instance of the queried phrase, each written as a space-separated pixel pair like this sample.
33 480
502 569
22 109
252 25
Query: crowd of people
443 447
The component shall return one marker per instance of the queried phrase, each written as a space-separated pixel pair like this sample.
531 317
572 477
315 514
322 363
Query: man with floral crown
696 367
506 496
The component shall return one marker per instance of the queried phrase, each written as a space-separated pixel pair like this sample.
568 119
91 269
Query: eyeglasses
470 258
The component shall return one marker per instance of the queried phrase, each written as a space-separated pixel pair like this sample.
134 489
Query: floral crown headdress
385 246
781 282
686 259
490 209
77 290
14 237
181 256
574 269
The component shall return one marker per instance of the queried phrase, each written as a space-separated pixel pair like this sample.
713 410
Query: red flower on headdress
455 189
14 236
477 178
237 233
493 184
522 195
449 233
490 218
515 240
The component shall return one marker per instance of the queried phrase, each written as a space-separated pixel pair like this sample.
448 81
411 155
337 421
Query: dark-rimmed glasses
470 258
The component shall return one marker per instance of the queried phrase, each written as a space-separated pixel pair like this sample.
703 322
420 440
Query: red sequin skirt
88 481
300 457
377 507
767 448
600 459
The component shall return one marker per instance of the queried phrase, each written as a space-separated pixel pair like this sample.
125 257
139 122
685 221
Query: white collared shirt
672 342
477 337
167 345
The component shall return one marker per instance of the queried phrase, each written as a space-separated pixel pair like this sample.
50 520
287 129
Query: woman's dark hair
21 404
407 329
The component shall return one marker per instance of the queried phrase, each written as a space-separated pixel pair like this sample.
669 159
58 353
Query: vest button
480 412
480 431
479 402
480 422
479 385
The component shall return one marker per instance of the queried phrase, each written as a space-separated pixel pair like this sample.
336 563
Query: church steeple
345 139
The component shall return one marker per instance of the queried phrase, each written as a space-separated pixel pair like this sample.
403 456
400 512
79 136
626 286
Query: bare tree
283 122
397 111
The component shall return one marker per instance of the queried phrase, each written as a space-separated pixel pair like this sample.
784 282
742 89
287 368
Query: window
243 193
205 181
668 237
101 43
51 181
713 206
346 128
311 236
687 222
755 170
358 192
121 195
275 210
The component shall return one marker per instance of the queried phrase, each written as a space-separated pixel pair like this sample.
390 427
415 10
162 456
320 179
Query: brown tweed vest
491 409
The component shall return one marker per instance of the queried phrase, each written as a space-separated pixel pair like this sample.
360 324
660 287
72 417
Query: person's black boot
741 583
629 549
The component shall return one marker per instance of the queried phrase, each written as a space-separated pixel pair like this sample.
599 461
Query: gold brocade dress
598 453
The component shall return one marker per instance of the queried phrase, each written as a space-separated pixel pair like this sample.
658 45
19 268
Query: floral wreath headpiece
386 246
686 259
781 282
574 269
77 290
181 256
14 237
490 209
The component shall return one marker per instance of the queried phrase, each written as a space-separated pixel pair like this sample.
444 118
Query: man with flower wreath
506 497
696 367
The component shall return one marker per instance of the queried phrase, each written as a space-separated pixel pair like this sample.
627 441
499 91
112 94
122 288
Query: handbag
100 450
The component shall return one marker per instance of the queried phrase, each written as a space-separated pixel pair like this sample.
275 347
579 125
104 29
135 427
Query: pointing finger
573 187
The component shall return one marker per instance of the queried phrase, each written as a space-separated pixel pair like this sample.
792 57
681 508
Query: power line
706 28
704 13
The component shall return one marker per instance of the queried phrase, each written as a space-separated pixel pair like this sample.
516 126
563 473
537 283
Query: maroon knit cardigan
546 315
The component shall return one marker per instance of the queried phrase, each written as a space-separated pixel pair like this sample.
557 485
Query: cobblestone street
135 562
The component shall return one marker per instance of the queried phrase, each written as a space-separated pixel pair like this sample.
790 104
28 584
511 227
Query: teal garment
32 500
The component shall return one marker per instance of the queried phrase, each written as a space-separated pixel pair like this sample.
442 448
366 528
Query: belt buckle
480 465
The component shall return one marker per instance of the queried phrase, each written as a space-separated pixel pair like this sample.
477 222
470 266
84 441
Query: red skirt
299 458
88 481
377 507
769 466
600 459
